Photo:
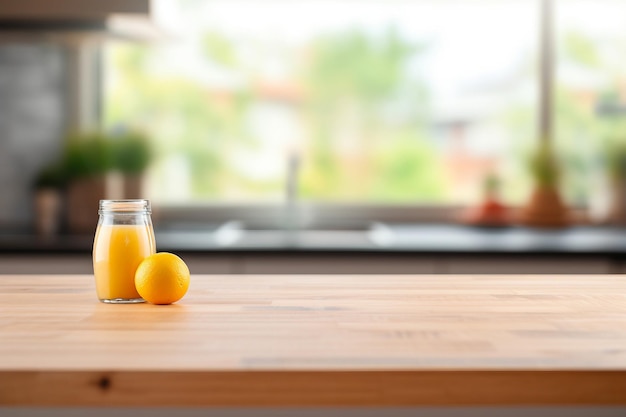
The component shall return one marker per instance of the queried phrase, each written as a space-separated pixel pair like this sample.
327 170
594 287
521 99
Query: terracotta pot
48 204
617 209
133 186
545 209
83 197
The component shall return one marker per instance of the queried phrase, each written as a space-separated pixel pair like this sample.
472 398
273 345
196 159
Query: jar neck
124 207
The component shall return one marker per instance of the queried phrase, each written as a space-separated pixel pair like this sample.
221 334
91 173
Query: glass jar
124 237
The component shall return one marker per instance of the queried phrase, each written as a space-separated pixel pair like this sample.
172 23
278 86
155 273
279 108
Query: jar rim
124 206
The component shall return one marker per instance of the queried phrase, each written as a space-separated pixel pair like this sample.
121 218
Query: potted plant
491 212
616 164
48 199
87 159
131 156
545 207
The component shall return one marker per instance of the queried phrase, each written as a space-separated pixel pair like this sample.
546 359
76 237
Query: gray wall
32 122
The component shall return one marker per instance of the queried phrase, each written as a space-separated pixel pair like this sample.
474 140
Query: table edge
384 388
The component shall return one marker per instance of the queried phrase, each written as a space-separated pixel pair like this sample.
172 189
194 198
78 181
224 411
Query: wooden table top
312 340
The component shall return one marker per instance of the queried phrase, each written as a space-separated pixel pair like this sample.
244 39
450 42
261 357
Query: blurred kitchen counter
399 238
392 249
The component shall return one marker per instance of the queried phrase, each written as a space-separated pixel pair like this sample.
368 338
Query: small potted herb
132 154
87 159
545 207
491 212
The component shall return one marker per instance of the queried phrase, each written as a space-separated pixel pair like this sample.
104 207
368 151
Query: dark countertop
399 238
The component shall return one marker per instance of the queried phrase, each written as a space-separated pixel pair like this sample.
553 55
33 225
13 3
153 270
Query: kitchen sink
237 233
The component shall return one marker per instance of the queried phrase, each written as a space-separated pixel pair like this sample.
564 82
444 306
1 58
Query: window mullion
547 70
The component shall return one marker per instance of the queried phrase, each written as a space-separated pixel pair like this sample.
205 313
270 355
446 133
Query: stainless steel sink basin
239 234
236 233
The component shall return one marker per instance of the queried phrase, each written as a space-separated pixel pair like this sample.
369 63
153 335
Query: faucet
291 191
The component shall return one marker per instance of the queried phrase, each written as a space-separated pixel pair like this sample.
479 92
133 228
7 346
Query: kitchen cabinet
527 265
209 263
39 263
80 263
333 263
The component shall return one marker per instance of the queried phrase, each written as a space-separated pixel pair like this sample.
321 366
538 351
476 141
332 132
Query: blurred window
590 105
373 102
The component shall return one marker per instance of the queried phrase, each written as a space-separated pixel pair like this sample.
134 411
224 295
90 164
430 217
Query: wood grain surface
306 340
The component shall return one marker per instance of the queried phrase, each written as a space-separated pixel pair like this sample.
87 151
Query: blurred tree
365 109
182 116
220 50
581 129
363 106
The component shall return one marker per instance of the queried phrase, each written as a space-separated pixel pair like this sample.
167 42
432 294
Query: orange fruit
162 278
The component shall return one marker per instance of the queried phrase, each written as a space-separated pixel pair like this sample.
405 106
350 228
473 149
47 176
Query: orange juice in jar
124 237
